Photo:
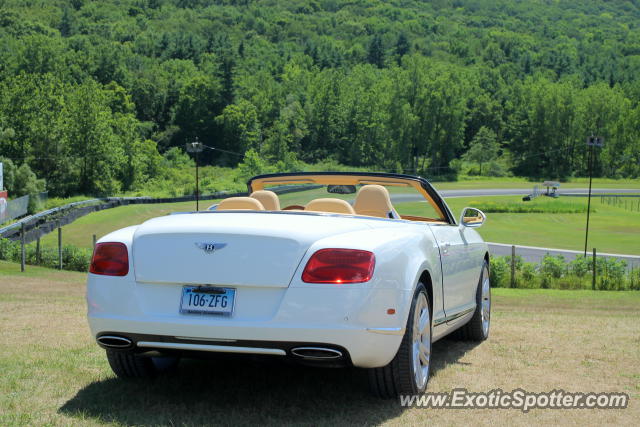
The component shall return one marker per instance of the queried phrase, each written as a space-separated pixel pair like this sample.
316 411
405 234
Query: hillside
94 94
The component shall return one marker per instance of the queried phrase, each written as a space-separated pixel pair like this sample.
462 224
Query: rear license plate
207 300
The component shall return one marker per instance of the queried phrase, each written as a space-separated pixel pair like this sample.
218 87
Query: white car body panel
462 256
263 260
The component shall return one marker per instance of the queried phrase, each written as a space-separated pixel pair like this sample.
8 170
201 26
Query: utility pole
592 141
196 147
197 185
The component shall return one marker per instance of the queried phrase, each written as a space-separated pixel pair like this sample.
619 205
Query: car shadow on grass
245 391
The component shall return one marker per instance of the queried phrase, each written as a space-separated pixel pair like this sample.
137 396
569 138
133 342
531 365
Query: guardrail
14 209
19 207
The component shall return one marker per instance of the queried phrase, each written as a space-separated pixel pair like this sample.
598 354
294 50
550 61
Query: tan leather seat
240 203
374 200
330 205
269 199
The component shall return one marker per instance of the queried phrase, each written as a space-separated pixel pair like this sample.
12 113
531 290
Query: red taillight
339 266
110 259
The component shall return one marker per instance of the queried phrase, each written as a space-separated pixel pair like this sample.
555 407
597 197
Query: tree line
95 96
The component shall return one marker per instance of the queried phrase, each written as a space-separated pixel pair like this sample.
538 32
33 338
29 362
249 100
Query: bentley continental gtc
333 269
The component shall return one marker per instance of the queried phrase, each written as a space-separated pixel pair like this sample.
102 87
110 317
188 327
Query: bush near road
553 272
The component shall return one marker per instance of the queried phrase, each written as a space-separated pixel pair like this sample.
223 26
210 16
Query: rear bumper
360 347
352 320
322 354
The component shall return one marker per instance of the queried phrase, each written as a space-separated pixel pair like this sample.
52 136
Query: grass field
54 374
79 233
612 229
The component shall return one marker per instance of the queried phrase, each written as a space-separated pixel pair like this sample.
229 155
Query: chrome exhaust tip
316 353
114 341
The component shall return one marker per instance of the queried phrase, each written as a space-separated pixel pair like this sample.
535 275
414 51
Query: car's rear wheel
408 372
130 365
478 327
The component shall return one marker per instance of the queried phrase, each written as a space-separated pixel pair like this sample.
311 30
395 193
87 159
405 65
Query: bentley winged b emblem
210 248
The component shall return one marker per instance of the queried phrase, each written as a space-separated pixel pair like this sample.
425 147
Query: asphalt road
580 192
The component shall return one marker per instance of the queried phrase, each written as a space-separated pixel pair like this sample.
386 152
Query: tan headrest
269 199
330 205
240 203
373 200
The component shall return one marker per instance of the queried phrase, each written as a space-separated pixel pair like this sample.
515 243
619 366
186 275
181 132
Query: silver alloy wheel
421 341
486 302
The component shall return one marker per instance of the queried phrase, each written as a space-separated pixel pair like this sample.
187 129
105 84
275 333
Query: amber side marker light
339 266
110 259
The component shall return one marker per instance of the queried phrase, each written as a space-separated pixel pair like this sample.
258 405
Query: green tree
402 47
32 105
199 103
437 98
9 170
323 115
287 132
25 182
363 117
376 52
66 22
484 147
541 77
544 129
97 150
253 165
240 126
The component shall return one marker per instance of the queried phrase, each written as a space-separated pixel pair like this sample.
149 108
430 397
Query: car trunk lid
230 248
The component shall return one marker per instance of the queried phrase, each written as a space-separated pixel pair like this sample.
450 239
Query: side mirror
472 217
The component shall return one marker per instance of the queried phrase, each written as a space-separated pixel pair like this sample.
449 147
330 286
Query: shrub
73 258
545 281
553 266
499 272
495 168
633 282
526 276
49 257
9 251
76 259
580 266
569 281
610 274
539 205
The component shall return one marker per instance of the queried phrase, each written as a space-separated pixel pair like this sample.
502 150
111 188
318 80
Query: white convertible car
333 269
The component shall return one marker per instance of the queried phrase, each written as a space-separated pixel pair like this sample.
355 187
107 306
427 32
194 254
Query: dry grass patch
53 373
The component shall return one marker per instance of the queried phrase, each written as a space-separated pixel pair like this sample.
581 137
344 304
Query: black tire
129 365
398 377
475 329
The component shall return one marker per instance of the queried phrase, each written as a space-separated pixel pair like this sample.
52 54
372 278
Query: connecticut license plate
207 300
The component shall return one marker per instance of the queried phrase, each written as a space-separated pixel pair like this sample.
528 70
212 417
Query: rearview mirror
472 217
341 189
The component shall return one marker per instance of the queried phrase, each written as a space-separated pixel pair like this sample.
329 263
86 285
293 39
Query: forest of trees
95 95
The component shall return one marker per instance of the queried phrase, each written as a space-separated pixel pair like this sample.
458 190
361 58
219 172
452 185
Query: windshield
368 196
